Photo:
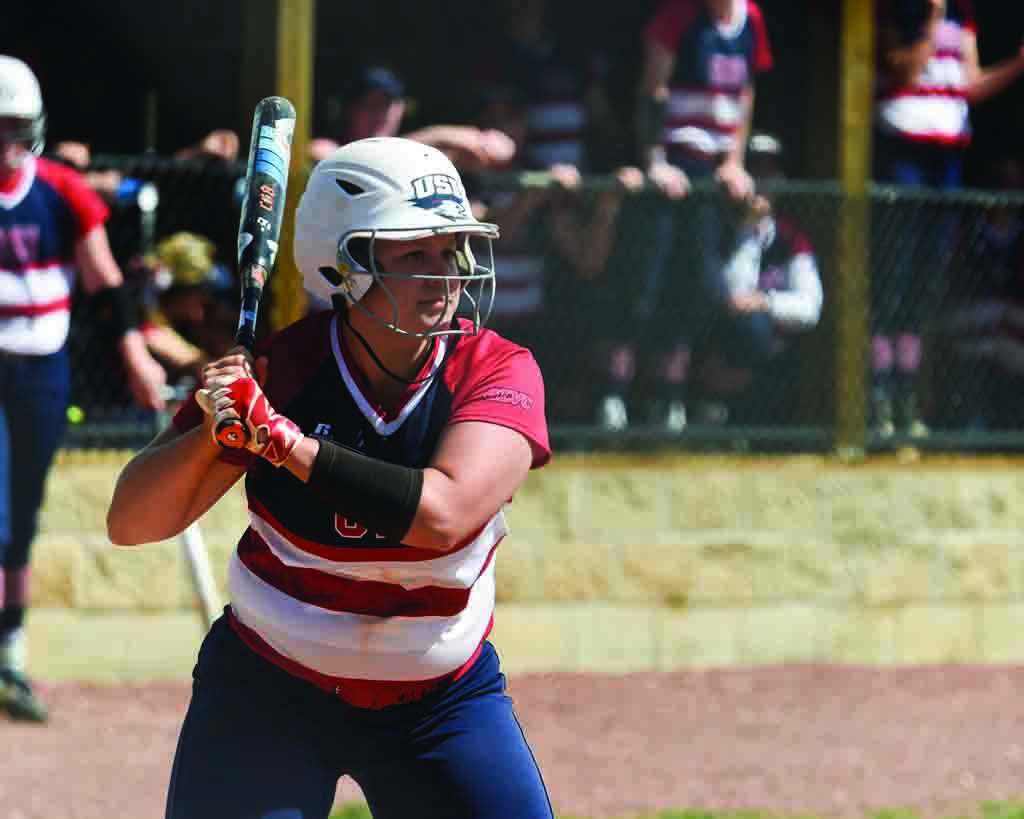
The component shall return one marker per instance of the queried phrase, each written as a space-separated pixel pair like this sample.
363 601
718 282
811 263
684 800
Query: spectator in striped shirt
695 109
928 77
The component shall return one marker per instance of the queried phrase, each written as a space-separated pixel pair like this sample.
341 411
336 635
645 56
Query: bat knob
232 434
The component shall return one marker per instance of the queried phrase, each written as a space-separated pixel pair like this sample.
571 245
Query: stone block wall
626 563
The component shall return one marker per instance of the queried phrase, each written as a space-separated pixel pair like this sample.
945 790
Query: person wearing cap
376 108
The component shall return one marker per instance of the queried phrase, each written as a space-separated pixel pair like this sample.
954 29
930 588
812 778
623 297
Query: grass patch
985 810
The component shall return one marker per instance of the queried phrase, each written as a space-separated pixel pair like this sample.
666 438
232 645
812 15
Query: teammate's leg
253 743
35 392
467 758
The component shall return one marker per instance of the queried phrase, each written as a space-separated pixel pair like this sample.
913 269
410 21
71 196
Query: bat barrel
259 228
265 184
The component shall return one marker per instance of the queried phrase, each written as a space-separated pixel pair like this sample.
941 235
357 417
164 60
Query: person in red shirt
695 107
384 438
51 231
929 76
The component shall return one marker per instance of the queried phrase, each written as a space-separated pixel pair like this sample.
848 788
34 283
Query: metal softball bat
259 228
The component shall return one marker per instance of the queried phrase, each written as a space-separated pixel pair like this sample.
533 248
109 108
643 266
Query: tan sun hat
183 260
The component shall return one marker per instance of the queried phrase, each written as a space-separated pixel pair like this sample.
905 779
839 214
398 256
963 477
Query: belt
370 694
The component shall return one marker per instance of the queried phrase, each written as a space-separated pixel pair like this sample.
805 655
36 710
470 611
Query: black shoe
909 419
17 699
882 417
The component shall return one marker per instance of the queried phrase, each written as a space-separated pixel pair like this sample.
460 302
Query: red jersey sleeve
795 238
189 414
508 391
85 203
670 21
763 60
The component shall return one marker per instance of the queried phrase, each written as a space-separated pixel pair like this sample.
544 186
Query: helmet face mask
397 190
22 116
474 281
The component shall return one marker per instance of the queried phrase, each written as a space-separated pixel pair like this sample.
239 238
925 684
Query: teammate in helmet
385 437
51 230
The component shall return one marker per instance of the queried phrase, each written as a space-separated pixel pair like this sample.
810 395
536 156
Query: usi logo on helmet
441 194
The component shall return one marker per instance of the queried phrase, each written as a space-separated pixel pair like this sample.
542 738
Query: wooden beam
855 125
295 20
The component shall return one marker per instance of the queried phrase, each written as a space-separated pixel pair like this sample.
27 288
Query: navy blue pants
259 743
34 395
911 238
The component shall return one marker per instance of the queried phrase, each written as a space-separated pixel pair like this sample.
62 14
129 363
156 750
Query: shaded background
201 62
131 77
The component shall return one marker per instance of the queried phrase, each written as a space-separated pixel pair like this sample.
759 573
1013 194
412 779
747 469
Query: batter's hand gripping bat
259 229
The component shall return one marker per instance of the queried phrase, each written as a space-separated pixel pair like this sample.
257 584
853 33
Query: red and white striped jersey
326 598
42 217
715 67
934 107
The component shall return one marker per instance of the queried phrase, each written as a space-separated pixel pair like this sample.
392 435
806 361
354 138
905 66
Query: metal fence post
856 108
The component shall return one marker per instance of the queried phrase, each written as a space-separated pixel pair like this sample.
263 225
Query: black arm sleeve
650 121
116 309
382 497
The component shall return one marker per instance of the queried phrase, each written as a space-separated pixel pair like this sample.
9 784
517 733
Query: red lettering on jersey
507 395
350 529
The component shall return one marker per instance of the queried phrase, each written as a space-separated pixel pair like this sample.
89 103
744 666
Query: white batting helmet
20 98
387 188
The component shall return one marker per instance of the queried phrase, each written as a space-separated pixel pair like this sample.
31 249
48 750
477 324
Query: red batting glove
272 436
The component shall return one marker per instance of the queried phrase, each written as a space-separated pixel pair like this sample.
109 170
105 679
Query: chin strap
376 359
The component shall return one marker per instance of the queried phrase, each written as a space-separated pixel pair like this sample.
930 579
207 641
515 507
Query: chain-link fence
153 198
697 323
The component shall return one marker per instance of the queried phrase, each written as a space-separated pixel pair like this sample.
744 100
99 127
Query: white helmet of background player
396 189
21 99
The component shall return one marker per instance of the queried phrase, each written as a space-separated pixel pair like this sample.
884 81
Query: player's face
13 147
423 303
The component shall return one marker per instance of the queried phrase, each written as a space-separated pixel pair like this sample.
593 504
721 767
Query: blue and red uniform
932 109
44 212
715 67
714 70
922 129
343 652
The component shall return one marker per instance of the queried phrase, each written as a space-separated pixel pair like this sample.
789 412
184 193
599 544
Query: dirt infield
794 739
